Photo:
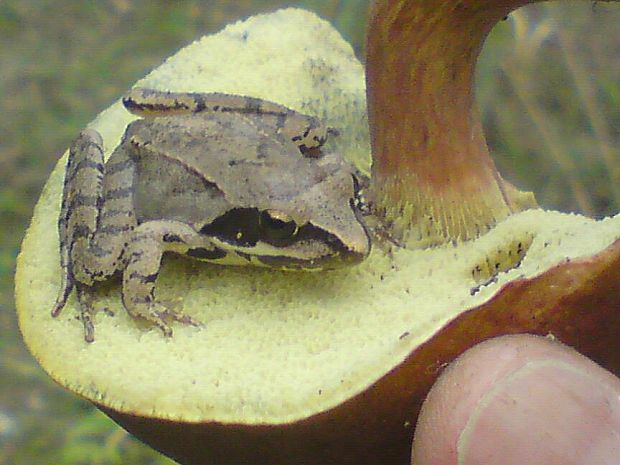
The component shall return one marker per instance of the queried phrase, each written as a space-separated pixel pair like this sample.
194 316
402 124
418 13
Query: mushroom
314 368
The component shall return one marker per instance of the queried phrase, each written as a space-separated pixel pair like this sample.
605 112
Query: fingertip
519 399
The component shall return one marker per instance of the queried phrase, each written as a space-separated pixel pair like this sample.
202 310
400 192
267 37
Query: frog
222 178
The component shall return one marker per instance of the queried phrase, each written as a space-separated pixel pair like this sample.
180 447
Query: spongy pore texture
275 346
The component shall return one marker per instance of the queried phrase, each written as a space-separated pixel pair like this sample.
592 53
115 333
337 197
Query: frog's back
197 167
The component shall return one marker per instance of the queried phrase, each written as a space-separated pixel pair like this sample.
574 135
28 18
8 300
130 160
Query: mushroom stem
433 179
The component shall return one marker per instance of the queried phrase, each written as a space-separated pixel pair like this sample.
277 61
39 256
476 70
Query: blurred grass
549 90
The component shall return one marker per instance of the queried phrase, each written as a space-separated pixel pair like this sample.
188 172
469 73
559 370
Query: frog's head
319 228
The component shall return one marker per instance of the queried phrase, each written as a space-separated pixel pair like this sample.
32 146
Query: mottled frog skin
222 178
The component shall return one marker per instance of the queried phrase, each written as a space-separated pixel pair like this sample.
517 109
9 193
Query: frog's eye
277 227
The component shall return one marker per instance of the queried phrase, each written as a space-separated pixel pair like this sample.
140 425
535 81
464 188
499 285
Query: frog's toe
86 316
181 317
152 313
160 314
89 327
165 329
157 317
88 324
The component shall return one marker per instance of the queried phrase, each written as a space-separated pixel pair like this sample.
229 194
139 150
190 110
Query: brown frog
223 178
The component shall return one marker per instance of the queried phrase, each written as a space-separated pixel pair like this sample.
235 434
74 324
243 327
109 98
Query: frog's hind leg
150 240
306 132
96 218
82 195
152 103
103 255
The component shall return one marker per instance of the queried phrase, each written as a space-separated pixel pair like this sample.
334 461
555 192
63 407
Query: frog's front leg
150 240
308 133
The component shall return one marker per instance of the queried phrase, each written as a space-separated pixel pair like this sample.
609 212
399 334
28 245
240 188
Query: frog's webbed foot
144 253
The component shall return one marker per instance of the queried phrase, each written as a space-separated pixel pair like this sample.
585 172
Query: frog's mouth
241 232
332 262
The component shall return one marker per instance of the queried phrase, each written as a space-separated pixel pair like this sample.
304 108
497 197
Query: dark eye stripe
237 227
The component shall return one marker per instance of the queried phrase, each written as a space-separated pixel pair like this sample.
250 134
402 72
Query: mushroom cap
298 365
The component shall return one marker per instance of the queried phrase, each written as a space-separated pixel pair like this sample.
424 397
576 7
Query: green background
548 87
